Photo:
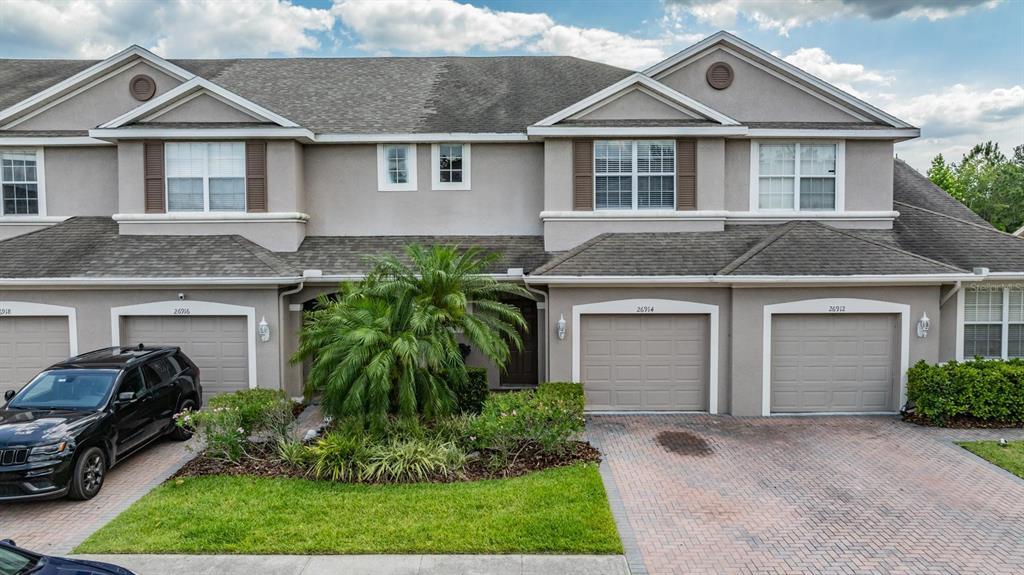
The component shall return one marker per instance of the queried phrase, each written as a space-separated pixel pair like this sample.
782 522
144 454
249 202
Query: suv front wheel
90 470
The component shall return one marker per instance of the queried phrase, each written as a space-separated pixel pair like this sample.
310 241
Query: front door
522 365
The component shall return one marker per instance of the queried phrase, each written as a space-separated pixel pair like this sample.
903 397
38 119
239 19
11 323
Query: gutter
141 281
751 280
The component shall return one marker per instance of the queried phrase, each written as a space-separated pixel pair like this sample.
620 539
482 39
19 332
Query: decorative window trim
435 168
40 182
755 188
635 175
1004 322
206 182
383 182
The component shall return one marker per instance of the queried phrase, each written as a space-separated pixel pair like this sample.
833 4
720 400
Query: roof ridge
757 248
265 256
559 260
988 228
848 234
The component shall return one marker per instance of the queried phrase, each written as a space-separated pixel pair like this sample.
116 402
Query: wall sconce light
923 325
263 330
560 326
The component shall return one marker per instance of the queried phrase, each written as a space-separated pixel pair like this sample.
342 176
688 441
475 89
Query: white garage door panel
217 344
28 345
645 362
834 363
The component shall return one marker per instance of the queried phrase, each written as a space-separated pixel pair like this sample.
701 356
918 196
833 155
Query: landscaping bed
1010 457
982 393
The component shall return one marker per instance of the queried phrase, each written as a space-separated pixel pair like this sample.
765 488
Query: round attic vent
142 87
720 75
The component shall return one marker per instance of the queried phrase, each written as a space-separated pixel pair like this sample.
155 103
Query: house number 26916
645 309
182 311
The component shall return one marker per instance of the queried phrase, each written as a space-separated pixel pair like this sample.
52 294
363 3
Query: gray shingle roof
912 188
24 78
90 247
343 255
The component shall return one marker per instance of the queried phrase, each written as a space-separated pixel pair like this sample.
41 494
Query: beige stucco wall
869 167
81 181
754 96
562 299
203 108
636 104
506 197
945 331
557 175
130 185
748 325
93 315
711 174
285 176
100 103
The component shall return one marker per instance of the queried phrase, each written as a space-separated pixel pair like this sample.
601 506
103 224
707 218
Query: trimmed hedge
986 389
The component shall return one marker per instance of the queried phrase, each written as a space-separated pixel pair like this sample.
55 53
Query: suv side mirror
125 397
9 394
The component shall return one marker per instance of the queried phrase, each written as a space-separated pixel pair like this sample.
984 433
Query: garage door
645 362
28 345
834 363
217 344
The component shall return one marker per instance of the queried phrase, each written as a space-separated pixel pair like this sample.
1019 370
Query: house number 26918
645 309
6 311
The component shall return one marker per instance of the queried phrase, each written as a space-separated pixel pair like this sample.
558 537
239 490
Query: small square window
451 166
396 167
19 184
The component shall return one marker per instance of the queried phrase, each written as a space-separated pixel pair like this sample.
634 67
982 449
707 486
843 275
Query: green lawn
561 510
1010 458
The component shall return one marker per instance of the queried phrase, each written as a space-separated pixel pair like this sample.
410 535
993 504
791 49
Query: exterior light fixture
560 326
923 325
263 330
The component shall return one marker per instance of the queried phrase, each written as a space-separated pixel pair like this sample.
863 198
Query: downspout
280 324
547 335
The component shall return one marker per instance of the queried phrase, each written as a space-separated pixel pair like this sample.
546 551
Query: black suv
82 416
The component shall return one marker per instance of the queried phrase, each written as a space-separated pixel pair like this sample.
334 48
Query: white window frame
755 185
383 182
206 182
40 182
1004 323
435 167
636 176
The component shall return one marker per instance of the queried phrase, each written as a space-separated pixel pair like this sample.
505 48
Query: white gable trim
200 85
775 66
100 69
649 83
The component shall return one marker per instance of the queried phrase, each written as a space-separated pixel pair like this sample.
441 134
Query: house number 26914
645 309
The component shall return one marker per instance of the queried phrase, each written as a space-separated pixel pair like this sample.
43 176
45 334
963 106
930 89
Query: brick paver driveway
56 527
709 494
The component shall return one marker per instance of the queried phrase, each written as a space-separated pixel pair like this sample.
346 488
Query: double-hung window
205 176
20 175
797 176
634 175
450 166
994 322
396 167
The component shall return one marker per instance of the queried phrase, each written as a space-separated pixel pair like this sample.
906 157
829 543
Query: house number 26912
645 309
836 308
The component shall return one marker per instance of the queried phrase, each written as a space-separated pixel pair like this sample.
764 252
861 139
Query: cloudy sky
953 67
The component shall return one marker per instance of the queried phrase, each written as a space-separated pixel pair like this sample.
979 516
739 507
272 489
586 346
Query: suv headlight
48 452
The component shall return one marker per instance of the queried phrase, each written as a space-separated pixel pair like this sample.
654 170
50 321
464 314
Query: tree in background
986 181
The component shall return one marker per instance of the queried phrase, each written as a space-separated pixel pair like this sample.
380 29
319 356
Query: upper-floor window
450 169
20 175
205 176
797 176
634 175
994 322
396 167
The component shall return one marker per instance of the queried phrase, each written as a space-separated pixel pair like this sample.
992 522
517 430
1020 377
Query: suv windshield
78 389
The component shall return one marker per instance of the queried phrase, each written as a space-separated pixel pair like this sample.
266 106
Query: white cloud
446 26
844 75
181 29
784 15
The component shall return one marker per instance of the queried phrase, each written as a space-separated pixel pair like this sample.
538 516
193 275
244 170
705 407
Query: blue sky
953 67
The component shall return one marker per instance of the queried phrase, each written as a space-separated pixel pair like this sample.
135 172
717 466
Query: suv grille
13 456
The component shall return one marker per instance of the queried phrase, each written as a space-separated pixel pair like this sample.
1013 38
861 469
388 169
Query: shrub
293 453
260 411
985 389
471 393
547 419
340 456
404 461
220 430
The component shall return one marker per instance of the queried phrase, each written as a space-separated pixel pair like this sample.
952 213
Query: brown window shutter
153 177
686 174
256 176
583 175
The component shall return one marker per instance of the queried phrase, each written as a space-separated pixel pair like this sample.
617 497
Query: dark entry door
522 365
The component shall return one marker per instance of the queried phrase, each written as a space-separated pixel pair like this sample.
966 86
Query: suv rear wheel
90 471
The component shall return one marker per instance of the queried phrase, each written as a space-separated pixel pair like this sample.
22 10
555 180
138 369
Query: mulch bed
262 462
963 422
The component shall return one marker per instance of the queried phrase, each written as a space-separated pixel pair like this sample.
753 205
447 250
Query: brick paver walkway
716 494
56 527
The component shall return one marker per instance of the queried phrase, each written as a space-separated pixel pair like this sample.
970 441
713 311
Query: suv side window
132 382
157 373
